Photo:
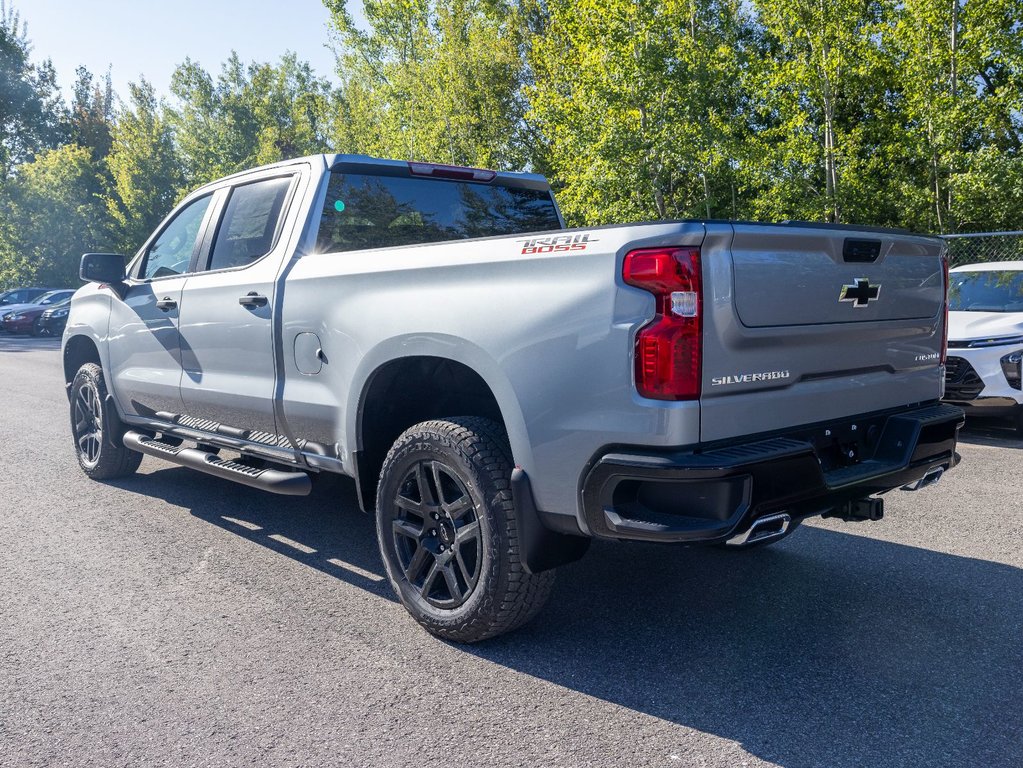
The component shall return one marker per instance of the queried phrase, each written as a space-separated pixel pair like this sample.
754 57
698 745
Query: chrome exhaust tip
932 476
762 529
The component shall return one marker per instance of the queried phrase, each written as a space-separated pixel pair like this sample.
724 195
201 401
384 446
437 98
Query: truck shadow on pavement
829 649
325 530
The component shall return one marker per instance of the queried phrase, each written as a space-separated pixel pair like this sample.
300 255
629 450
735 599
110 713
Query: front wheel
97 429
448 535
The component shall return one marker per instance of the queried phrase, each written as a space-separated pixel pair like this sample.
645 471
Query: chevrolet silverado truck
502 389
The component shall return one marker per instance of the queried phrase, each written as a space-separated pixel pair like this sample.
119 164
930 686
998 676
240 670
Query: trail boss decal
748 378
556 243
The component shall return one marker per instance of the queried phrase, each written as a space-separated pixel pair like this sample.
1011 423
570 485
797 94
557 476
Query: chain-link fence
979 247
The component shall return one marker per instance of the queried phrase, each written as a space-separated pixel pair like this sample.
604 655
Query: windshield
988 291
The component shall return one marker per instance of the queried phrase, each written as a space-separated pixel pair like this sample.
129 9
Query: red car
28 319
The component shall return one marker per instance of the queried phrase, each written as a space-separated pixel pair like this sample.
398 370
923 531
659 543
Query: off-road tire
97 430
474 453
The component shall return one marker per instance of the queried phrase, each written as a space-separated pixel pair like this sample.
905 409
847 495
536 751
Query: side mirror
102 268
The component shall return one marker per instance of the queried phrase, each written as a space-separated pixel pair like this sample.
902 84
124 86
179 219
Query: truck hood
968 326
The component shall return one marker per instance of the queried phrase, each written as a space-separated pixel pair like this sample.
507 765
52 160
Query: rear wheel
448 534
37 327
97 429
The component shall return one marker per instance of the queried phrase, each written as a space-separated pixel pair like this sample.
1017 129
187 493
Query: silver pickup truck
502 389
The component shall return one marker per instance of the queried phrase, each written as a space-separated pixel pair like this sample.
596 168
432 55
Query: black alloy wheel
448 531
96 428
87 424
436 534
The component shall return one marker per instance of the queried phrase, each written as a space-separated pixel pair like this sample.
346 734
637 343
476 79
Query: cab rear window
365 211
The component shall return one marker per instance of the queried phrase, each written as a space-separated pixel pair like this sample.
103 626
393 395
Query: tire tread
114 459
519 595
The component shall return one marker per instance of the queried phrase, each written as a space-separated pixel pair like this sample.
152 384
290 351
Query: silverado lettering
748 378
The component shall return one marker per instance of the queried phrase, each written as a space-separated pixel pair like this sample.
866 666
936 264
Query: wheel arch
399 391
78 350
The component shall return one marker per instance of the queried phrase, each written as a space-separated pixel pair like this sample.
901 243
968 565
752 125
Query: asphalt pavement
173 618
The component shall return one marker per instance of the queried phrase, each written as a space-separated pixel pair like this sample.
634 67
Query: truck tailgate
810 324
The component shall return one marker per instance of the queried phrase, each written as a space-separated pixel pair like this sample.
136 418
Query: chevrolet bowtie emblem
860 293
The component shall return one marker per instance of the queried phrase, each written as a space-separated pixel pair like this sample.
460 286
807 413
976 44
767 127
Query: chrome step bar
274 480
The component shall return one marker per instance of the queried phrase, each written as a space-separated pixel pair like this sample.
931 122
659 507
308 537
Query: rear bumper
707 496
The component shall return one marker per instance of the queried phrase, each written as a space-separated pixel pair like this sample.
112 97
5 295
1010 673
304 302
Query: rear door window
248 229
365 211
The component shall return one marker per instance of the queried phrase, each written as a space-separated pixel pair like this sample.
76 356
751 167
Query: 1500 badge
748 378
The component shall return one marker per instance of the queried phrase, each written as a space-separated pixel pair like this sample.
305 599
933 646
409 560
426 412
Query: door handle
166 304
252 299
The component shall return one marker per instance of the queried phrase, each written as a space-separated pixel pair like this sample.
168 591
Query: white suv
985 339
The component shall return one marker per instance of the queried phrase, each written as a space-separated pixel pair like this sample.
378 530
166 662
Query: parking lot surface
177 619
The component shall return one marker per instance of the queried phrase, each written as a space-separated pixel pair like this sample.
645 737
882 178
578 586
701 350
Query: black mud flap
540 548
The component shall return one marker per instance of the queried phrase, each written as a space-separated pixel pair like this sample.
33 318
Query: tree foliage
144 167
54 215
249 115
887 112
432 80
640 105
30 109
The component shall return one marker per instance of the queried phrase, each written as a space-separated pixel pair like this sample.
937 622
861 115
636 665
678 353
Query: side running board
273 480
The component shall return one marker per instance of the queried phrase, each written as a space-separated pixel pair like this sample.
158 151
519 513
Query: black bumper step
273 480
685 496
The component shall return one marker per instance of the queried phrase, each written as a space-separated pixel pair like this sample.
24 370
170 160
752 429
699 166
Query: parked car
983 372
30 319
53 320
21 296
13 312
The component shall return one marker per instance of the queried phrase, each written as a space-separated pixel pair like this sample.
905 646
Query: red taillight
669 348
944 329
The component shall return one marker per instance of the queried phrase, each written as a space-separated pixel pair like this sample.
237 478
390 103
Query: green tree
55 215
640 105
31 111
436 80
962 67
247 116
144 168
291 106
821 109
92 113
